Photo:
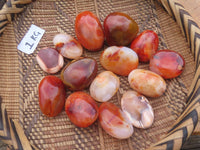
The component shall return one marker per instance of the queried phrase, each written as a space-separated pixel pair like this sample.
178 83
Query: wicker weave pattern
10 131
186 123
58 132
8 10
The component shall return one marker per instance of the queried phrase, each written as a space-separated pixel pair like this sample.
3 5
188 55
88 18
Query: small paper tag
31 39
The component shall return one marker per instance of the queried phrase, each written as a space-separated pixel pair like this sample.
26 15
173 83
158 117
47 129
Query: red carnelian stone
89 31
167 63
120 29
51 95
145 45
109 110
78 74
81 109
113 121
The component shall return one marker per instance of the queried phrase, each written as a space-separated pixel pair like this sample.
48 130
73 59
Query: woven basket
23 126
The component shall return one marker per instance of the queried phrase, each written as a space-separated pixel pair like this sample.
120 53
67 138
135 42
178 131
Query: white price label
31 39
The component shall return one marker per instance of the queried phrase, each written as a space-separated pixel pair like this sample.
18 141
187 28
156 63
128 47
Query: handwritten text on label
31 39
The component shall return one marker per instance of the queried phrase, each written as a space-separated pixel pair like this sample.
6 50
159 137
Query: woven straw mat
58 17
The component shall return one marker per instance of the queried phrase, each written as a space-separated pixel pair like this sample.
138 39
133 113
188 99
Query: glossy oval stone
67 46
147 82
120 60
120 29
145 45
114 122
49 60
51 91
78 74
167 63
81 109
89 31
104 86
137 109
